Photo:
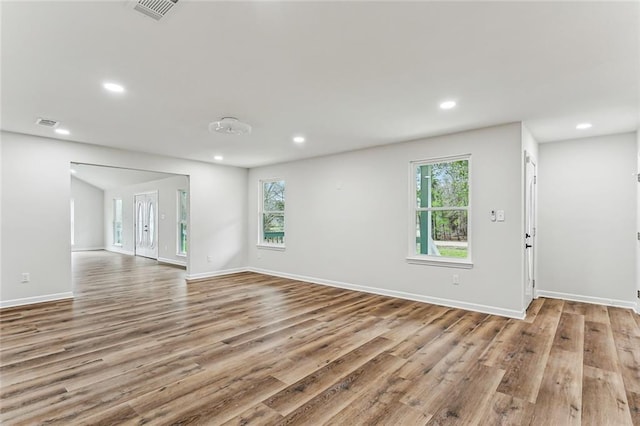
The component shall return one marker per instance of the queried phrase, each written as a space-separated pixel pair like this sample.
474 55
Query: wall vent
156 9
47 122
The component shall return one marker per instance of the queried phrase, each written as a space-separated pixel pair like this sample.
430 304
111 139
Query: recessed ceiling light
298 139
73 171
447 104
62 131
583 126
218 157
113 87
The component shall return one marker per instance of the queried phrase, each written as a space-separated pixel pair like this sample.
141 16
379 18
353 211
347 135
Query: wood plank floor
139 346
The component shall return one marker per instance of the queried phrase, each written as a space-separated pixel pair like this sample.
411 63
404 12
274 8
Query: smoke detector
46 122
230 126
155 9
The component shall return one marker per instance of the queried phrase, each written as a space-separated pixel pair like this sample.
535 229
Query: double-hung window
182 222
117 222
272 212
440 212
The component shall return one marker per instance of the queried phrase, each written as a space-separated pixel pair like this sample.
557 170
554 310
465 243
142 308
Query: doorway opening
131 212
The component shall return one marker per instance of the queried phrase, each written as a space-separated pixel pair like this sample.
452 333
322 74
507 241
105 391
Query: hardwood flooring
137 345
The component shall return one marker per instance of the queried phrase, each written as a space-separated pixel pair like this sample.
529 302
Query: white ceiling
112 177
347 75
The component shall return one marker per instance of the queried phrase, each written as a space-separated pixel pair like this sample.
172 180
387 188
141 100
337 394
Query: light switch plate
500 215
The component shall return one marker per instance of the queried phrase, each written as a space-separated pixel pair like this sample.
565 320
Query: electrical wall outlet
456 279
209 259
25 277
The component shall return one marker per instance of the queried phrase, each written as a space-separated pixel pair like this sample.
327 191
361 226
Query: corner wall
587 219
347 221
35 179
88 216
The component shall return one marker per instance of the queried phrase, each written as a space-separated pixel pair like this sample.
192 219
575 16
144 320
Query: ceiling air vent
155 8
47 122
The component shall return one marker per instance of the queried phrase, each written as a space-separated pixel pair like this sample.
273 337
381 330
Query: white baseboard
172 261
586 299
509 313
204 275
36 299
87 248
119 250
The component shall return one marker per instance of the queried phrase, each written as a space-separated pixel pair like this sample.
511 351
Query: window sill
117 245
181 254
271 247
447 262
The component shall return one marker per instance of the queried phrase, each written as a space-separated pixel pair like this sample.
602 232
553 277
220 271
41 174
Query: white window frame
426 259
179 222
115 200
261 212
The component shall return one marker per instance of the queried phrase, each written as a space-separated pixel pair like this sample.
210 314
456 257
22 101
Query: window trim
113 224
426 259
179 221
261 242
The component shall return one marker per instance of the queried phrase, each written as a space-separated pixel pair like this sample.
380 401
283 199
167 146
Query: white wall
35 179
347 220
587 219
167 219
88 215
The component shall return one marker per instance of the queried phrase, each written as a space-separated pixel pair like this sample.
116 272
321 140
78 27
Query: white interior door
146 228
530 228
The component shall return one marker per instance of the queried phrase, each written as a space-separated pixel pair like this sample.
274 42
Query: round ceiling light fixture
230 126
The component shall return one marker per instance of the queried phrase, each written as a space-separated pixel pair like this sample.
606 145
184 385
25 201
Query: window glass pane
117 221
117 239
442 233
183 206
118 210
442 184
140 222
423 186
273 228
182 222
448 183
273 196
183 238
152 223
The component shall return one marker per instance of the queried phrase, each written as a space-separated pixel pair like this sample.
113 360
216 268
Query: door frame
530 262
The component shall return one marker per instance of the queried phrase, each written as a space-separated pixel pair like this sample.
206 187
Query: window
272 212
117 222
182 222
73 213
440 211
